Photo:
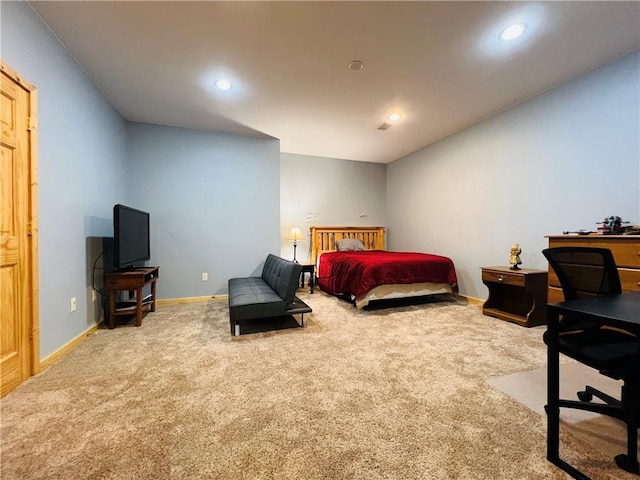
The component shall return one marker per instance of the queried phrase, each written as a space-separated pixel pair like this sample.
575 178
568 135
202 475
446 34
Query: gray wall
563 160
82 150
200 223
214 202
328 191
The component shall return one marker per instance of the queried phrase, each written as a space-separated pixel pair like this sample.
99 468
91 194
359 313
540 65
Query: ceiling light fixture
355 65
512 32
394 116
223 84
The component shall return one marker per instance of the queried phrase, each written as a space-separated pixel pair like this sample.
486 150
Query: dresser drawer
630 279
555 295
626 254
503 277
625 249
553 278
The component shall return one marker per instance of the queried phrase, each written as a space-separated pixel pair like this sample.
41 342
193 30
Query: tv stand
132 281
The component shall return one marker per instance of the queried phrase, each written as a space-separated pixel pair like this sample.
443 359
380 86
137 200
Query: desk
131 280
616 310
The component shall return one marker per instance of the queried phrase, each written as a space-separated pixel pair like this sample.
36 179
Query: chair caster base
585 396
626 464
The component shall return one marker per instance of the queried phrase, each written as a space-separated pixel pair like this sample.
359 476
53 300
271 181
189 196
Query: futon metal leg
235 327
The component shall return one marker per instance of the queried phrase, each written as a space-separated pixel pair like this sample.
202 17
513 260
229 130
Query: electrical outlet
73 304
205 277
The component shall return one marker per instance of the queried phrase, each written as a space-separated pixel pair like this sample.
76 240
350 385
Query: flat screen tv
131 246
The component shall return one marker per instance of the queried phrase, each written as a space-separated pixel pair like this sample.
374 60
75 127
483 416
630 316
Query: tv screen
130 237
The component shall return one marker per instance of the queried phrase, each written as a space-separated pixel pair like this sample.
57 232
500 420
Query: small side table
309 268
518 296
131 280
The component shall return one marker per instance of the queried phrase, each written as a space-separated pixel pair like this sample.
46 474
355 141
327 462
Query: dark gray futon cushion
265 296
252 297
282 276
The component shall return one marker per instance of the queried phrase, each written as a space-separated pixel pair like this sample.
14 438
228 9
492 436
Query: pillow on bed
350 245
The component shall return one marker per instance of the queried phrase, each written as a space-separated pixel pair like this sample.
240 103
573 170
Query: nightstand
518 296
309 268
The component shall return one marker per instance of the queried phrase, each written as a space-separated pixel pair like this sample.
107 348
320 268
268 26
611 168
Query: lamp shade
295 234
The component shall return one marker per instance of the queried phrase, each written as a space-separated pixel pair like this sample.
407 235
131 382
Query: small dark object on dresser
612 225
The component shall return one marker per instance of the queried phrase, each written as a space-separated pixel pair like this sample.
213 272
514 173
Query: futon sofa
273 294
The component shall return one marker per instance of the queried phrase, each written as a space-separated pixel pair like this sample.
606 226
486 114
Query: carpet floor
396 393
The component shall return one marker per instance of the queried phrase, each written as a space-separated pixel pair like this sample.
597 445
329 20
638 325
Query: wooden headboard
324 239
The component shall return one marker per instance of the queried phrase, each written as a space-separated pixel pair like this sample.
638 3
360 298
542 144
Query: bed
373 273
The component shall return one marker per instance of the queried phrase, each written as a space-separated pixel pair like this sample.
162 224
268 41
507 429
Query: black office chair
584 272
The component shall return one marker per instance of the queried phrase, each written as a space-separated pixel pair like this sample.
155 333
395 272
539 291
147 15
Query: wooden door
19 352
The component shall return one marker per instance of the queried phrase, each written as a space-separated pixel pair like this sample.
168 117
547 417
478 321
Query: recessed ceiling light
512 32
394 116
223 84
355 65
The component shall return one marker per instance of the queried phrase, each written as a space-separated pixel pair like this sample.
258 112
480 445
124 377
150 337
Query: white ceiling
440 64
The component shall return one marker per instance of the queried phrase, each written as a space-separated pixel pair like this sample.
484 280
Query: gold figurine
514 260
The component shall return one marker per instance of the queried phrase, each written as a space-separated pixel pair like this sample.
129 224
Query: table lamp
295 235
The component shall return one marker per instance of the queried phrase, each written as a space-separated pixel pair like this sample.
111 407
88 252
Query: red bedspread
357 273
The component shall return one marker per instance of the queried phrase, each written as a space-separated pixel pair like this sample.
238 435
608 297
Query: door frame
32 247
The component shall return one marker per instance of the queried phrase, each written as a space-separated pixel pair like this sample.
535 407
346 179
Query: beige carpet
392 394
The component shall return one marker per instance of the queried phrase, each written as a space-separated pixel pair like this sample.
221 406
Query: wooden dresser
625 249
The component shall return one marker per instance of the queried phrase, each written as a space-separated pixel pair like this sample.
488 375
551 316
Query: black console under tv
132 302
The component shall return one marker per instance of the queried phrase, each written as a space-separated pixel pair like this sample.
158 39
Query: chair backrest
584 271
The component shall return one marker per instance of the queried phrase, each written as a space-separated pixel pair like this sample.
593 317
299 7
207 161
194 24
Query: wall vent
384 126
